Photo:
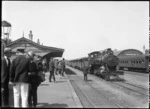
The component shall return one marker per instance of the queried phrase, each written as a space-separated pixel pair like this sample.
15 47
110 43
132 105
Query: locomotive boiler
104 64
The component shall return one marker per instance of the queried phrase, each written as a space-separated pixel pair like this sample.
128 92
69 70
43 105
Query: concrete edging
75 97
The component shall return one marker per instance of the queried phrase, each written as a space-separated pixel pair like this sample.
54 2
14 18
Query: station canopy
28 45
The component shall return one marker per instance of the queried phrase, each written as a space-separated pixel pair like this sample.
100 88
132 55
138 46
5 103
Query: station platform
59 94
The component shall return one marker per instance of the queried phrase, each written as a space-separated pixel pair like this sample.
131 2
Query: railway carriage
83 63
134 63
79 63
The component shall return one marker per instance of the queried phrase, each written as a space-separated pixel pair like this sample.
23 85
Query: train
100 63
114 64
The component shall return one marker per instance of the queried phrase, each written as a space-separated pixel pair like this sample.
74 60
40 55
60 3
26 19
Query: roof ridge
43 46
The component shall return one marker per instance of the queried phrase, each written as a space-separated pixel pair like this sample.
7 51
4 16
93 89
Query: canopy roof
28 45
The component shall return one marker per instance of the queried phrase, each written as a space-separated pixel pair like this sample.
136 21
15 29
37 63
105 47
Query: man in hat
5 77
63 66
19 70
51 69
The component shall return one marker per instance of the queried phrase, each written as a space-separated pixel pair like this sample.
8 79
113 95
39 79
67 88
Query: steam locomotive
103 64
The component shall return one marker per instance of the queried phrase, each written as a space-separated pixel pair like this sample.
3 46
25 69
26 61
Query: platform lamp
6 28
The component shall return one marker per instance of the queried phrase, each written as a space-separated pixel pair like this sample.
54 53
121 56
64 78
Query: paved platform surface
59 94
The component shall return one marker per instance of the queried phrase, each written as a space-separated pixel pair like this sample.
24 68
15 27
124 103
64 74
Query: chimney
30 35
38 41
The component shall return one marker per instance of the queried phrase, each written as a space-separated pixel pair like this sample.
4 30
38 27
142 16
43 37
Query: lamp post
6 28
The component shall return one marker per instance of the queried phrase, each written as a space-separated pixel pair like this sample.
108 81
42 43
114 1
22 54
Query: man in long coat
5 67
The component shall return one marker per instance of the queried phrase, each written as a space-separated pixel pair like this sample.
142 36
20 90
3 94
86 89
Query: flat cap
7 50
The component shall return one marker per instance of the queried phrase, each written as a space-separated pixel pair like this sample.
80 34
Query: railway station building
24 44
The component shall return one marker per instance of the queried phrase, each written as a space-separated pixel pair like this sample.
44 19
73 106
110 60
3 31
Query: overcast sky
80 27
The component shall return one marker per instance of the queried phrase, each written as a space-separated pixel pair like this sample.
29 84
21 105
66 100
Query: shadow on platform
69 72
44 84
59 81
54 105
88 80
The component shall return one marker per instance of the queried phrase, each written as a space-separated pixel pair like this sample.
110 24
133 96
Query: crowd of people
25 73
56 68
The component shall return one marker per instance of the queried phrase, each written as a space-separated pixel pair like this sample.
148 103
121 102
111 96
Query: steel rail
121 86
135 85
125 86
114 102
83 93
130 89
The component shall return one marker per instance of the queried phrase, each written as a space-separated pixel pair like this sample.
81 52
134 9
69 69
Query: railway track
133 88
113 101
93 97
129 83
129 86
85 101
136 85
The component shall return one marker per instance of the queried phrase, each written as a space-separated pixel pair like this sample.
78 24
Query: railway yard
131 91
